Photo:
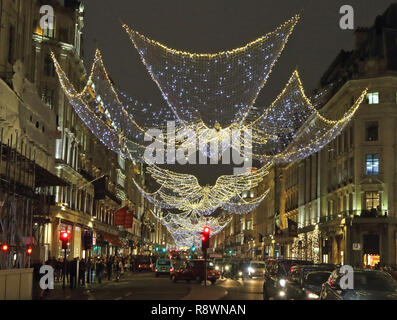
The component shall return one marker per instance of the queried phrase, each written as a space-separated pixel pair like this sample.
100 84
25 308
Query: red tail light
171 269
155 269
151 266
140 266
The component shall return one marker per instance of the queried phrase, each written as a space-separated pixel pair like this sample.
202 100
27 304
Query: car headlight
312 295
250 270
227 268
216 268
282 282
282 293
240 273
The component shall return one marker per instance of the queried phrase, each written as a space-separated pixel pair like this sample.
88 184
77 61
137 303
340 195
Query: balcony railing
355 214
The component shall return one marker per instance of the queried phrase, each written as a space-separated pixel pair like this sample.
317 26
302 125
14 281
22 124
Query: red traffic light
4 247
29 251
64 235
206 229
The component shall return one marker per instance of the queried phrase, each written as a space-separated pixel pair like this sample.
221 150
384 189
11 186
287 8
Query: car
304 282
163 267
367 285
194 270
275 276
256 269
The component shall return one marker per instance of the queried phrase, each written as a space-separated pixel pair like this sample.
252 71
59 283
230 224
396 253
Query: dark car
194 270
305 281
367 285
275 275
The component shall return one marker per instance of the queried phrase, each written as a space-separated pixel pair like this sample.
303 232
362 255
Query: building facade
64 176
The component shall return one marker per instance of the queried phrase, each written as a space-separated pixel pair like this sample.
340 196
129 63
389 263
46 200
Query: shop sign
356 246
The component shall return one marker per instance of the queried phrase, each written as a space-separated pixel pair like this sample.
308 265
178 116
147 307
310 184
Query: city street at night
190 159
145 286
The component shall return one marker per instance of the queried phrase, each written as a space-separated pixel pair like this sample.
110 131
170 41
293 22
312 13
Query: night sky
216 25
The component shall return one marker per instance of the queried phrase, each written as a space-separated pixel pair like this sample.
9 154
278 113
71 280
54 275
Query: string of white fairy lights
212 95
186 227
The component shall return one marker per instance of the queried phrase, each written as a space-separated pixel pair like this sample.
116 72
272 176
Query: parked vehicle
163 267
194 270
256 269
304 282
367 285
275 276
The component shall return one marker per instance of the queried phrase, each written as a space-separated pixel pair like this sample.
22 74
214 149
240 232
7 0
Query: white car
256 269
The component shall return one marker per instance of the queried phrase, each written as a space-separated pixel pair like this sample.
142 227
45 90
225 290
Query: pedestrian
37 291
88 267
109 266
82 269
118 269
57 270
73 272
99 270
93 270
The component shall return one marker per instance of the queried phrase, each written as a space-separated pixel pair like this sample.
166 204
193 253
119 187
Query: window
372 200
373 97
372 164
47 97
49 69
371 131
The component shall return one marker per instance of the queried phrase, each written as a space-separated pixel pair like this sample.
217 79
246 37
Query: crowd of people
79 272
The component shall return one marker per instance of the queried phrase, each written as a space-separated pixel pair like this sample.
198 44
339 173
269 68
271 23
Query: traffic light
29 251
164 249
4 247
157 248
193 249
205 239
230 251
65 237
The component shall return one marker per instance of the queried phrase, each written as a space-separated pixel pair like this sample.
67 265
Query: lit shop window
373 97
372 164
372 200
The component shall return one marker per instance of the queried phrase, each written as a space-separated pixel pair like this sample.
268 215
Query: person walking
57 271
72 272
82 269
109 265
88 267
99 270
118 269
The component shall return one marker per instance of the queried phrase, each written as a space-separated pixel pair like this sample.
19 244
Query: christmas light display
214 88
213 96
186 227
183 192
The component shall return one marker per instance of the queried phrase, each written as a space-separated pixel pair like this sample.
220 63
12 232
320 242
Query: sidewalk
80 293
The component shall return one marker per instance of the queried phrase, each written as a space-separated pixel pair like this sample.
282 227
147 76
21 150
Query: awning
113 240
44 178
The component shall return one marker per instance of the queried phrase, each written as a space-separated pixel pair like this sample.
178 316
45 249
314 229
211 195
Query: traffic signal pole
205 267
64 270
